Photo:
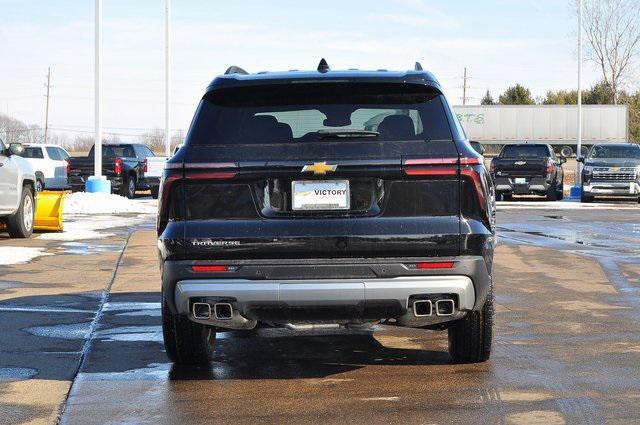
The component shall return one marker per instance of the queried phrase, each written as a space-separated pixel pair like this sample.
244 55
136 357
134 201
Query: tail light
210 269
549 167
146 165
435 265
117 167
68 167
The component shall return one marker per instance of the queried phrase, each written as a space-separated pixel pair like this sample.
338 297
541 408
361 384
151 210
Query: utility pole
464 87
167 78
46 116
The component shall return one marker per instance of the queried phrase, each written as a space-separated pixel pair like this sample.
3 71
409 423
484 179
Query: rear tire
154 192
552 192
470 337
20 224
128 188
507 197
586 199
186 342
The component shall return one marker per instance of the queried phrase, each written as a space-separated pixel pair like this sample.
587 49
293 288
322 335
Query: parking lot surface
81 340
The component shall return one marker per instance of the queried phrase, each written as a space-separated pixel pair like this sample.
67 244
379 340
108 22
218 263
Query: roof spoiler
235 70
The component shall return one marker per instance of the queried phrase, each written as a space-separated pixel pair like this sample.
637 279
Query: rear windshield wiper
340 134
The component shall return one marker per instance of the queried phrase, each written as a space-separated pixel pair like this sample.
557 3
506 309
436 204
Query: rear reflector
210 269
435 265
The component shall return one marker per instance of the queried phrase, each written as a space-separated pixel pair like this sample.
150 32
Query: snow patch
19 254
104 203
86 214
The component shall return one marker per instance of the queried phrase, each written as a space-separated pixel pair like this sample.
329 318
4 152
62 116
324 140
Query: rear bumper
532 185
77 183
613 188
149 182
329 300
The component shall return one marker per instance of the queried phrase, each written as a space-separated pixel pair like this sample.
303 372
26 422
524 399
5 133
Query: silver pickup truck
611 170
17 184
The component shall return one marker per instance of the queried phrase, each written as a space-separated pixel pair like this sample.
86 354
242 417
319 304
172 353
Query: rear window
35 153
525 152
317 113
113 151
600 151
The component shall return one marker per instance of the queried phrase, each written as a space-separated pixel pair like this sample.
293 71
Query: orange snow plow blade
49 211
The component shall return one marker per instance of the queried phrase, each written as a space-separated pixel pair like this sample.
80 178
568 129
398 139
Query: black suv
343 197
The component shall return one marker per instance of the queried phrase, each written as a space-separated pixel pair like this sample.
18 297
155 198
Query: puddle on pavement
134 309
66 331
555 217
132 334
153 371
81 248
16 373
7 284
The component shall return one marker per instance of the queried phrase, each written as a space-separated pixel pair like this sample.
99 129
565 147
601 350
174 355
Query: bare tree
612 28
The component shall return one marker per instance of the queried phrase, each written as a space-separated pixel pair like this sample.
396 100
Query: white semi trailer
552 124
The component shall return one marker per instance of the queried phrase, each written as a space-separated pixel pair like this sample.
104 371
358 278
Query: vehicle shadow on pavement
126 343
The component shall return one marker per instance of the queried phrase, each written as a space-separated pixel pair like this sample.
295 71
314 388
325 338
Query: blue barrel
97 185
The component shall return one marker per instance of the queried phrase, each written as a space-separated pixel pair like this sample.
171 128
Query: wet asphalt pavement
81 341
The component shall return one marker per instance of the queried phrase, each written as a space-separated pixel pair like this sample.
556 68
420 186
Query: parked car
611 170
528 169
50 163
122 163
281 209
17 191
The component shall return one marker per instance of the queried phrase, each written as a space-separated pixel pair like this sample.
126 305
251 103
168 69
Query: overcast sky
501 42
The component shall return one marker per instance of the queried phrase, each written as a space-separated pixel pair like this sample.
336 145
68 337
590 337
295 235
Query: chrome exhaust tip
222 311
445 307
422 308
201 311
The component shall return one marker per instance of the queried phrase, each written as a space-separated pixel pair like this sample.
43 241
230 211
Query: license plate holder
320 195
520 180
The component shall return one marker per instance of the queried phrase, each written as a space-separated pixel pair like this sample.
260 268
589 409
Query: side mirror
581 159
482 149
563 159
16 148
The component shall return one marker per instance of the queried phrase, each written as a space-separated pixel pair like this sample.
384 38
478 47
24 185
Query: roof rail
323 66
418 67
235 70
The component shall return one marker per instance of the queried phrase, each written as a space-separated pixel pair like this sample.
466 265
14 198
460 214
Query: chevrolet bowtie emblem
319 168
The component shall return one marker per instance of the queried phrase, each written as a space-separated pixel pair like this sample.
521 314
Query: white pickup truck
17 191
153 166
50 163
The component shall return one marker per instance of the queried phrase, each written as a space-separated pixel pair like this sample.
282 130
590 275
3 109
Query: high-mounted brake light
117 166
210 269
435 265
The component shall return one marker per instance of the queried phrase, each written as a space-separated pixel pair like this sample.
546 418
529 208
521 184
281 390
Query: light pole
97 182
167 78
577 188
